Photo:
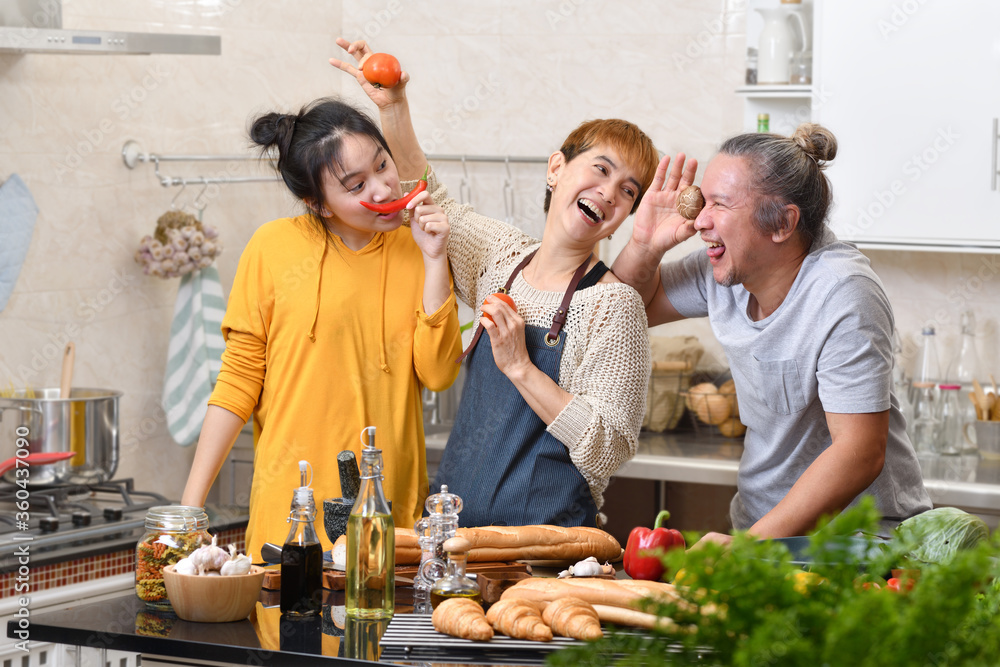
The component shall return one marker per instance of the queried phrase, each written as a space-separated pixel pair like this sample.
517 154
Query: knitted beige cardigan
605 362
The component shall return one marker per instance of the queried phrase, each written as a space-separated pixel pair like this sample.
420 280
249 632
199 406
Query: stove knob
113 513
81 518
48 524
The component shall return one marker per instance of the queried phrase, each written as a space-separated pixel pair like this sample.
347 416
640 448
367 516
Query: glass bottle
302 555
456 584
926 425
763 122
900 382
371 550
172 532
952 423
963 373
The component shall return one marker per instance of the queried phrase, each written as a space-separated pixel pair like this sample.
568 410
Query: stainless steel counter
684 456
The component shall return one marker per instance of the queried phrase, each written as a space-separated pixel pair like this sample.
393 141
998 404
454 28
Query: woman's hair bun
272 129
817 141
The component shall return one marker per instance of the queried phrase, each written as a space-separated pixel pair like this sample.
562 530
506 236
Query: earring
609 237
548 186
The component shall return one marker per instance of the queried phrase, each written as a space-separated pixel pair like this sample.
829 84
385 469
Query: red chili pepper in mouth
397 205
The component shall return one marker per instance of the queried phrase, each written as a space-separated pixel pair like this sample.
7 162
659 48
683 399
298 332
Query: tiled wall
505 77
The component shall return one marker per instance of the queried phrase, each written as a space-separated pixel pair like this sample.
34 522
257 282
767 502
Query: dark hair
309 143
631 143
788 170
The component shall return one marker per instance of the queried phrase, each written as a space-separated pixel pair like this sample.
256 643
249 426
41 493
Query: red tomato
502 297
382 70
900 585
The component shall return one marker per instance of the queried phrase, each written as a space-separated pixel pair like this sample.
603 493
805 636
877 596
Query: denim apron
500 459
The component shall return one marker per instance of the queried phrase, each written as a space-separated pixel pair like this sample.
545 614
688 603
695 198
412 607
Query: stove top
71 515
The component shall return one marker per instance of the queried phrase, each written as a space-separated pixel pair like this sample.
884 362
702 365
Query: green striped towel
195 353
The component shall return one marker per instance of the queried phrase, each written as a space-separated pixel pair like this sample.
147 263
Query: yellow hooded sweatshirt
322 341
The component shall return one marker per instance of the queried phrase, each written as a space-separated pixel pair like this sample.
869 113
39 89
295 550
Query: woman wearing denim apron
555 391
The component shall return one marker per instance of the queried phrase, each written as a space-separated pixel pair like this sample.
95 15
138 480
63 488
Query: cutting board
336 580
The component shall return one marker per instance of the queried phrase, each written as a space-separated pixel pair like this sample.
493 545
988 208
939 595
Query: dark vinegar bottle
301 568
302 556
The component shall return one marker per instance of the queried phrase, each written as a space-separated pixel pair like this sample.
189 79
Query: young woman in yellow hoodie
336 320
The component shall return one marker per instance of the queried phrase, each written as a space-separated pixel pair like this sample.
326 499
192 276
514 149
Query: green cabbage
938 534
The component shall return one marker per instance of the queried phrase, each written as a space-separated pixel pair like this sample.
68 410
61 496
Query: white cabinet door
912 90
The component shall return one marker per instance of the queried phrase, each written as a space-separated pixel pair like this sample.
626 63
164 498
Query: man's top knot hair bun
817 142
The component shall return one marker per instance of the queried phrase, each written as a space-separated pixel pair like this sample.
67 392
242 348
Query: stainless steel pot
86 424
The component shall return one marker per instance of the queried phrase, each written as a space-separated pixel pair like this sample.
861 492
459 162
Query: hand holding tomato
499 296
382 70
382 96
505 328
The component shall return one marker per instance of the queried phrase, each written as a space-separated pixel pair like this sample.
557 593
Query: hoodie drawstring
381 290
319 289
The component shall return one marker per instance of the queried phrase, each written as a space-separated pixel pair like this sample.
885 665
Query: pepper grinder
432 531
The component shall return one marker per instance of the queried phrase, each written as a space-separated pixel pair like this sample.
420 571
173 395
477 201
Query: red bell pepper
639 564
397 205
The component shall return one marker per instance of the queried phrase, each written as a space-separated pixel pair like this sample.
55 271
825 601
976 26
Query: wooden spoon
981 398
66 380
975 403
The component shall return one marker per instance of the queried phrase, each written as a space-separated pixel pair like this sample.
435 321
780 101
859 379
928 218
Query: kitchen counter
124 624
687 456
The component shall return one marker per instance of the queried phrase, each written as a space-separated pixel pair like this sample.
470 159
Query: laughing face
737 249
592 194
365 173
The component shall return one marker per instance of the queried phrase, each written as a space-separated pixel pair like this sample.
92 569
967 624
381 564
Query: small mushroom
690 202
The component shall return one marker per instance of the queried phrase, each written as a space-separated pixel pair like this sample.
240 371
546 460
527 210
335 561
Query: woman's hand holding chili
506 332
429 225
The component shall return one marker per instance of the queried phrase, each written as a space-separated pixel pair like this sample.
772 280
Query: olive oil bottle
371 542
455 584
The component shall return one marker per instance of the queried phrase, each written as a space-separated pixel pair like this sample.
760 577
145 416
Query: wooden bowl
210 599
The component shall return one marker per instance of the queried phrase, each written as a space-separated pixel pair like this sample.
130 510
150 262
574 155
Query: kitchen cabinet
910 91
917 163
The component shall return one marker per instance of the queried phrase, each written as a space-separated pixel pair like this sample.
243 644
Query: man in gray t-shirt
805 324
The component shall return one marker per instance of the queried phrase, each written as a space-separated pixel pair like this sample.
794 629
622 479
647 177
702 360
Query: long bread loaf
625 593
506 543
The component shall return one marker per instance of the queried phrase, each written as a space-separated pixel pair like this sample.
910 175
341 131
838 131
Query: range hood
35 26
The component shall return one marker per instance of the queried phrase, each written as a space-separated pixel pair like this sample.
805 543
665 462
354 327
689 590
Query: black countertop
125 624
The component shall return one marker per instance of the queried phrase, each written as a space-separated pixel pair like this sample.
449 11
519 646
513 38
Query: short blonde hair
626 138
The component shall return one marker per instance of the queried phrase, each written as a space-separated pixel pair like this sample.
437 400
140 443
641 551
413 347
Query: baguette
633 618
624 593
507 543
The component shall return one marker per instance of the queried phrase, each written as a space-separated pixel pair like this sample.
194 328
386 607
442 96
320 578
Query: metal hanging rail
132 155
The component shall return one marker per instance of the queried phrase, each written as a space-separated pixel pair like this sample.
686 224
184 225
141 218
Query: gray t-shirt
827 348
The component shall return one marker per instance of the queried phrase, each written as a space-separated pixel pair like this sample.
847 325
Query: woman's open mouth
591 211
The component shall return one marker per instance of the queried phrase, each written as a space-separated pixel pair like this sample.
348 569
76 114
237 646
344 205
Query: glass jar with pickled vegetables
172 533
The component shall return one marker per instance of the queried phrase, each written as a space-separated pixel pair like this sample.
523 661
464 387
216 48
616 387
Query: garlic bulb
588 567
237 563
185 566
209 557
